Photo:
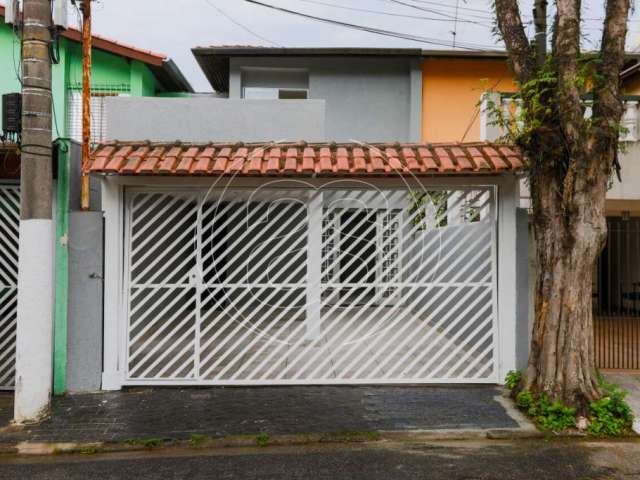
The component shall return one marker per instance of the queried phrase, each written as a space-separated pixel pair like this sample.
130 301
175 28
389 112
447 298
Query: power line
444 5
478 110
455 25
377 31
416 7
244 27
391 14
483 13
434 11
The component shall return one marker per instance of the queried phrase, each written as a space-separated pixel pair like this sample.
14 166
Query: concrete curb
244 441
8 449
89 448
515 434
524 423
454 435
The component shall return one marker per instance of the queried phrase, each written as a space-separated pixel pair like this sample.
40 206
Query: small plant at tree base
549 415
262 440
611 415
525 400
554 416
513 379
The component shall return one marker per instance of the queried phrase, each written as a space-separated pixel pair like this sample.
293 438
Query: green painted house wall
110 73
106 67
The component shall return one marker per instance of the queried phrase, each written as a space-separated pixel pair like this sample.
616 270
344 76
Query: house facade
308 263
288 103
295 235
118 70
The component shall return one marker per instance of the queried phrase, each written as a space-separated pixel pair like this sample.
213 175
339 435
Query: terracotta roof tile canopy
302 159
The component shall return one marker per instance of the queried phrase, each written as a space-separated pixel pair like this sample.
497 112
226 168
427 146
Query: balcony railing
511 109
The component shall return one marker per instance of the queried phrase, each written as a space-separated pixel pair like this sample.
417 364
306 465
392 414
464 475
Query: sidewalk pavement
6 408
179 413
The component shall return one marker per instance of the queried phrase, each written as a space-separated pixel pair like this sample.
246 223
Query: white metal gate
297 286
9 229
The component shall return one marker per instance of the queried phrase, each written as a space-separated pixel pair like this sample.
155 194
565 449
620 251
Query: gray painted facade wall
84 328
95 198
367 99
350 98
523 327
532 262
214 120
84 307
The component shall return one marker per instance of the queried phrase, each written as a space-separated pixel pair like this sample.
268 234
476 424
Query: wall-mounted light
626 215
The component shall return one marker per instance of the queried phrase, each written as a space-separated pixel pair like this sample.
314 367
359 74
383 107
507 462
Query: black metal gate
616 297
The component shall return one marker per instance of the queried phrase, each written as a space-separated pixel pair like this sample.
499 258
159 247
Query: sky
173 27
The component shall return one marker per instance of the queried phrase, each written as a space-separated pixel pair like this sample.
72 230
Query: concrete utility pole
86 101
35 279
540 23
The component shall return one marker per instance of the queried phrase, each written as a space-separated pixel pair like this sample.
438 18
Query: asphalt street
453 460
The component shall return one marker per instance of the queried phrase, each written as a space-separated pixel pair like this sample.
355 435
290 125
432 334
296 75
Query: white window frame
270 93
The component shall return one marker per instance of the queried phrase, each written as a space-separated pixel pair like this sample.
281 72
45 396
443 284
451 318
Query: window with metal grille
389 248
99 94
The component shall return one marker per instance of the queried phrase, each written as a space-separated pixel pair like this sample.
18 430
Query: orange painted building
453 83
451 90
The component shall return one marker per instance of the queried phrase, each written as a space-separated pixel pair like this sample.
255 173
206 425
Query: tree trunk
561 363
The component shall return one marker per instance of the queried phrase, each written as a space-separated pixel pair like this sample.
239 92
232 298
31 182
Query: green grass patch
262 439
152 442
146 442
88 450
196 439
